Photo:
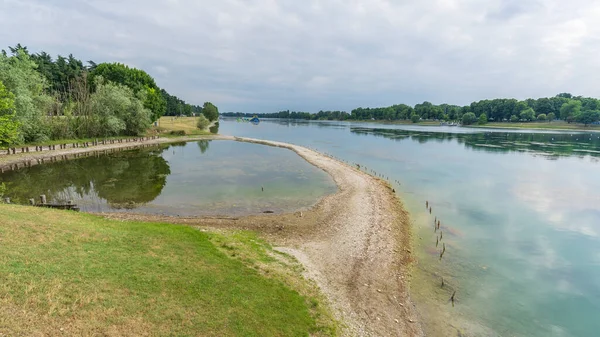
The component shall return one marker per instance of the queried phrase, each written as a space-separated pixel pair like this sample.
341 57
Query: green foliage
177 107
117 110
499 110
551 116
20 77
542 117
137 80
210 111
203 122
43 99
588 117
9 126
482 119
514 118
415 118
468 118
527 114
569 110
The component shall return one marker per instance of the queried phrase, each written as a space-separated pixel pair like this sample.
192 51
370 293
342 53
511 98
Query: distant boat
255 120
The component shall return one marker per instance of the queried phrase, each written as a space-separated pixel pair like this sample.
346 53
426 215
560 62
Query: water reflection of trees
123 179
203 145
551 145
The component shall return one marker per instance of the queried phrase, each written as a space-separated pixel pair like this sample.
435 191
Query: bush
541 117
482 119
468 118
415 118
203 122
177 133
514 118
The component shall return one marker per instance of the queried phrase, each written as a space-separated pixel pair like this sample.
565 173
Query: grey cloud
265 55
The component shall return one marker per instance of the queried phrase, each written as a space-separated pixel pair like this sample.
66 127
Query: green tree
588 117
542 117
117 110
19 75
528 114
137 80
551 116
468 118
514 118
569 110
9 126
203 122
414 117
482 119
210 111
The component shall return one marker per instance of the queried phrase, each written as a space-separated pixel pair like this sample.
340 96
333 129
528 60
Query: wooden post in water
443 251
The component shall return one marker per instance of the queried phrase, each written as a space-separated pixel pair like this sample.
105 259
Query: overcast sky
307 55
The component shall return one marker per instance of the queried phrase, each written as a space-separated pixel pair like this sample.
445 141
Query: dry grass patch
168 124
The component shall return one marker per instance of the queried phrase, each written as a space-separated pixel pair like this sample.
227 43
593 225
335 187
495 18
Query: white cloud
264 55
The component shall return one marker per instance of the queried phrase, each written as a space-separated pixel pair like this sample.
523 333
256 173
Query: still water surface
519 212
195 178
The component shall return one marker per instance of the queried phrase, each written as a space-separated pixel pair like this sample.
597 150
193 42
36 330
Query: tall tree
136 79
210 111
9 126
569 110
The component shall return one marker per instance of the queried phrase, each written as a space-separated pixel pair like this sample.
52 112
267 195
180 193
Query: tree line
42 99
563 106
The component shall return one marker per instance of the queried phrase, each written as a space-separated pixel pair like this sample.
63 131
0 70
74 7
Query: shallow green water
519 211
196 178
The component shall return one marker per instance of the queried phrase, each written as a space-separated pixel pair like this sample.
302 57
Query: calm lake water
519 212
196 178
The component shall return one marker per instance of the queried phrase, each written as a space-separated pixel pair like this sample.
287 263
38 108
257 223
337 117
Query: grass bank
168 124
80 274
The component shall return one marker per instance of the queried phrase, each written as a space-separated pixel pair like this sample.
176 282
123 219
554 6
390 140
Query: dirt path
354 244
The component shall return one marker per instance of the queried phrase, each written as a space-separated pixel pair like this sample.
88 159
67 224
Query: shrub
203 122
482 119
177 133
468 118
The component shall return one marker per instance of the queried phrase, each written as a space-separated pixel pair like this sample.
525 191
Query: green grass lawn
79 274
